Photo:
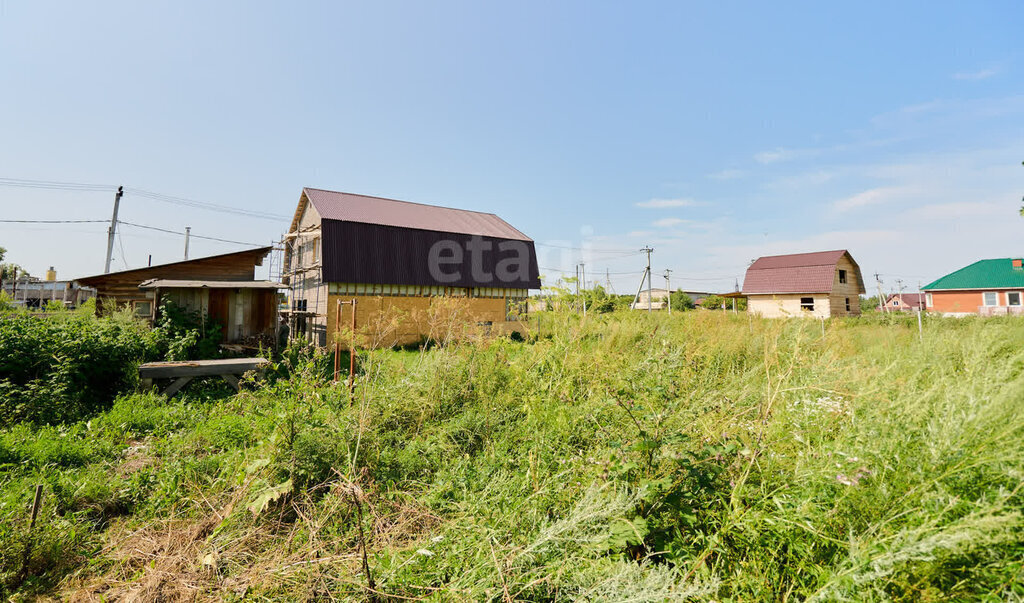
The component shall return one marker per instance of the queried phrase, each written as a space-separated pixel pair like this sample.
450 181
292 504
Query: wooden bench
183 372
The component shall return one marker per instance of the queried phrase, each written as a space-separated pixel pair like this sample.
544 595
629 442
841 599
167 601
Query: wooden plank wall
249 312
123 287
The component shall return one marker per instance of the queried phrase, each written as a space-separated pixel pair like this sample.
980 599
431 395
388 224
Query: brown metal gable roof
348 207
794 273
798 260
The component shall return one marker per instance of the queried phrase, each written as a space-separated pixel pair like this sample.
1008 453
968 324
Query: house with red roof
819 284
904 302
986 288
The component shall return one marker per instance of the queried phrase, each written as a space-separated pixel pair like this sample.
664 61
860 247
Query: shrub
66 367
712 302
185 334
681 301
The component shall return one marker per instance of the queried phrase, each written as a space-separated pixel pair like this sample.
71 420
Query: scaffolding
305 284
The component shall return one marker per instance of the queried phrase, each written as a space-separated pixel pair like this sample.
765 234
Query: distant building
399 258
659 299
32 292
904 302
698 296
819 284
986 288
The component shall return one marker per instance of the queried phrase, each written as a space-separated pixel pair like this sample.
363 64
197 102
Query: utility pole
113 229
583 275
920 311
668 288
577 283
648 250
608 280
188 233
881 305
636 297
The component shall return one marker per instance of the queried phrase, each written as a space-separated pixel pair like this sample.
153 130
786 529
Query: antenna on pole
112 230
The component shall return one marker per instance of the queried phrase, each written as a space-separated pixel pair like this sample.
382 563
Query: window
928 300
991 298
842 276
807 303
847 304
1013 298
143 308
895 302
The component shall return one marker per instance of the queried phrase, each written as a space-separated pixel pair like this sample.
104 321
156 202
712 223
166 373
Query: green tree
712 302
681 301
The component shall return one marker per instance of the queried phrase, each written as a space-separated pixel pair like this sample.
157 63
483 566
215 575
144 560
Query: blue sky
715 132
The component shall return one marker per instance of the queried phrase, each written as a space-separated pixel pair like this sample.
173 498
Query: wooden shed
221 286
246 310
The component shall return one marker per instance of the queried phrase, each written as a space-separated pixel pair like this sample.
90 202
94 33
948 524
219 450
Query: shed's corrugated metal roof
350 207
794 273
983 274
163 283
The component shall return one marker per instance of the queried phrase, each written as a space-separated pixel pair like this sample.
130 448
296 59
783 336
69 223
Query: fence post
31 527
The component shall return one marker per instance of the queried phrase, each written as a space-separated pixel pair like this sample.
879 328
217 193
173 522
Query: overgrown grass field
627 457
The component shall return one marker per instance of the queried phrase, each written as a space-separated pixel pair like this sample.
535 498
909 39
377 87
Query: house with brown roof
400 261
819 284
904 302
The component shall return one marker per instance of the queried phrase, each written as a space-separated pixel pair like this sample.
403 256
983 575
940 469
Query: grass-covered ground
630 457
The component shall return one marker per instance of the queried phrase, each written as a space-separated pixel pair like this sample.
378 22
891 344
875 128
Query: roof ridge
324 190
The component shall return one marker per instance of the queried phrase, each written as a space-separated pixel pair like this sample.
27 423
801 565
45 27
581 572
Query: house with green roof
986 288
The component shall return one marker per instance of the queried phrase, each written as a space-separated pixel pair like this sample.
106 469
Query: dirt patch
284 552
136 458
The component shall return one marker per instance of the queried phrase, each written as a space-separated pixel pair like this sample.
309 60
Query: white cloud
874 196
663 203
959 209
775 156
801 181
669 222
727 175
981 74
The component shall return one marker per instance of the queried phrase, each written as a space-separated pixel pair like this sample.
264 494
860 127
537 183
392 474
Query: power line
53 185
591 249
52 221
204 205
194 236
154 196
124 256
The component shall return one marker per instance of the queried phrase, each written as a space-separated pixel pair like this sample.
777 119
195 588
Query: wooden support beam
232 381
179 383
